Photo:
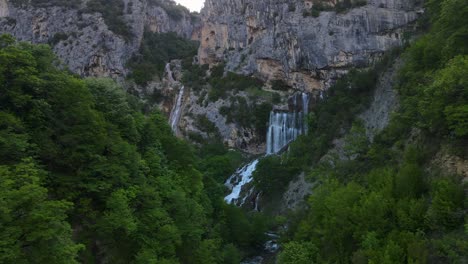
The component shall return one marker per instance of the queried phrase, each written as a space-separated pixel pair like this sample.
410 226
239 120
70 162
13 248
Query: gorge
253 132
283 127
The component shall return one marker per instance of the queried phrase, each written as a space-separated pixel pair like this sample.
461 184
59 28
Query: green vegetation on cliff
150 61
386 201
86 177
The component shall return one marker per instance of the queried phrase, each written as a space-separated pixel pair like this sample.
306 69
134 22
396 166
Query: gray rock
294 196
384 103
272 40
87 46
233 135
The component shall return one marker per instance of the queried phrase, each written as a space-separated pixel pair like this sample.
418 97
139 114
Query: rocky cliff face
291 40
82 39
272 39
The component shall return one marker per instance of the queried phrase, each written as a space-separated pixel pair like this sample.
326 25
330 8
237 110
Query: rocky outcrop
384 103
83 40
232 134
279 39
274 39
374 119
450 164
294 195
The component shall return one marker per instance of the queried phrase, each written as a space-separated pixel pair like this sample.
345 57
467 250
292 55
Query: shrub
60 36
150 61
204 124
279 85
112 11
291 7
232 82
194 76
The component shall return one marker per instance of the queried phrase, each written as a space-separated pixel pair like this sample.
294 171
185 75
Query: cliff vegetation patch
149 63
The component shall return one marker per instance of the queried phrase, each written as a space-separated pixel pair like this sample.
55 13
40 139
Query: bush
292 7
194 76
390 205
271 177
248 115
280 85
232 82
204 124
57 38
151 61
113 13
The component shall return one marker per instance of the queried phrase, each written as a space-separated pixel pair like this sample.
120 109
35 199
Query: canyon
272 40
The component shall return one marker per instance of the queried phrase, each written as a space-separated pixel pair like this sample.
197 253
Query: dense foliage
222 84
327 121
86 177
113 12
150 61
385 201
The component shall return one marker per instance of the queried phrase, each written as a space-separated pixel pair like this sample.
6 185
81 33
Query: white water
285 127
246 177
176 111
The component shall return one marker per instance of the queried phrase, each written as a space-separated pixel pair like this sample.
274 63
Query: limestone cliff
272 39
82 39
293 41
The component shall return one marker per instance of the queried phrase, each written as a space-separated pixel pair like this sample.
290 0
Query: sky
193 5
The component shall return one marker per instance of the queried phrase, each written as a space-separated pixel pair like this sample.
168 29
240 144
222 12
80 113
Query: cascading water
284 128
245 174
176 111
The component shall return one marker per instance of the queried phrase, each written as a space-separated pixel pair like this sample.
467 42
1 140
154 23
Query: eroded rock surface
83 41
278 39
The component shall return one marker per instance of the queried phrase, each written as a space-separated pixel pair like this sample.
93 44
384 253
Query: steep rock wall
82 40
280 39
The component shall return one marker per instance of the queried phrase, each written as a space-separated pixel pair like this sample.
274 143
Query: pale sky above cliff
193 5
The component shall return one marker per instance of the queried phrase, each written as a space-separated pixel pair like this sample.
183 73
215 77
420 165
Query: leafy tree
447 203
132 191
150 62
298 253
33 228
271 177
14 141
356 141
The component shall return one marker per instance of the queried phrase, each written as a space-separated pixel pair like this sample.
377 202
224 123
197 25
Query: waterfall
176 111
285 127
236 184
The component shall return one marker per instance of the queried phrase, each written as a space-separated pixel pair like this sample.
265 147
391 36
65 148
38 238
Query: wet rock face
83 41
278 39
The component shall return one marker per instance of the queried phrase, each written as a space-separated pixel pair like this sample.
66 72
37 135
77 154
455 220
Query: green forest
88 175
385 202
